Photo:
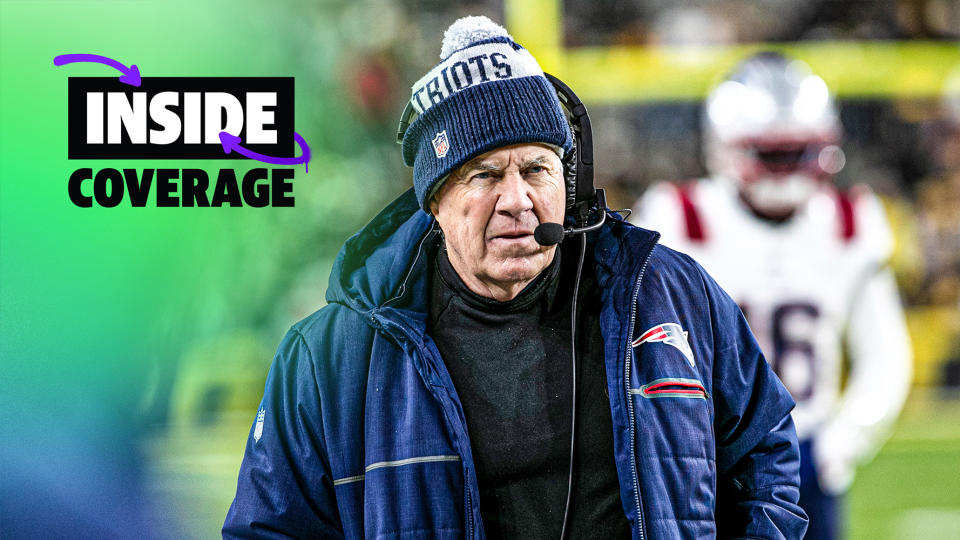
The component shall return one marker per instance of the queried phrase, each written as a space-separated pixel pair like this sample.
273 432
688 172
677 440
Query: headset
582 202
578 165
582 198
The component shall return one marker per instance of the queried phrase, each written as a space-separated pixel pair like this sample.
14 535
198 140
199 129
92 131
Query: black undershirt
510 364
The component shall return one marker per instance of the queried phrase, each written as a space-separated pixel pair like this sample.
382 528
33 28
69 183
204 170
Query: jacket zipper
469 509
630 413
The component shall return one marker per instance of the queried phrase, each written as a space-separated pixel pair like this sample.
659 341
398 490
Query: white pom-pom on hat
467 30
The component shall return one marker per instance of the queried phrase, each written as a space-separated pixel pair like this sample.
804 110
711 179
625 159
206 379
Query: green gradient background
104 309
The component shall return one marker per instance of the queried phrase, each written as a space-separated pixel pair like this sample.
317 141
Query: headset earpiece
407 118
570 175
578 164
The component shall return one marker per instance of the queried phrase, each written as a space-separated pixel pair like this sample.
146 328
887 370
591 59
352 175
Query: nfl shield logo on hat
440 144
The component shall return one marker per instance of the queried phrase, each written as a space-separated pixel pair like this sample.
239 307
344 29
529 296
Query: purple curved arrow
232 142
131 75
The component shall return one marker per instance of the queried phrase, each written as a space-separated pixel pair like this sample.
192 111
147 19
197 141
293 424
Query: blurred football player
806 261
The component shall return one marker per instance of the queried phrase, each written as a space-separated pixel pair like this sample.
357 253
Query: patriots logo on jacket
671 334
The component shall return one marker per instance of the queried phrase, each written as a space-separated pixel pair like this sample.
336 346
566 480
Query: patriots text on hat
468 61
486 92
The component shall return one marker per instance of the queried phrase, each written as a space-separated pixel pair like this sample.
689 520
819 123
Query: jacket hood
374 263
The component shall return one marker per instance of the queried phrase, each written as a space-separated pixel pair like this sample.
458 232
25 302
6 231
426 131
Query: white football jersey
808 286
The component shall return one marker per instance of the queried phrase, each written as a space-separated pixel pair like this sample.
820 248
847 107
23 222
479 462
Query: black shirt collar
543 287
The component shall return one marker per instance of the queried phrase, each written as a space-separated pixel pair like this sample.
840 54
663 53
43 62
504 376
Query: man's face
488 210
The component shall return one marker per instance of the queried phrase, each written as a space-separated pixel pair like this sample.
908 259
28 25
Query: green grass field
911 489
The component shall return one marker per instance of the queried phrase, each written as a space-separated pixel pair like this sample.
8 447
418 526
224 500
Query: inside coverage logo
181 118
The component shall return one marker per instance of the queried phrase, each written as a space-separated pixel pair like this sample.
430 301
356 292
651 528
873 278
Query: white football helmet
773 128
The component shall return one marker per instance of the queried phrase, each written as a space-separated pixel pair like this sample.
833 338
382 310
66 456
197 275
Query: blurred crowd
652 22
907 149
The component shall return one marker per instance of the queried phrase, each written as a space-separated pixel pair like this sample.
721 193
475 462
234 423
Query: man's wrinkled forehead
497 160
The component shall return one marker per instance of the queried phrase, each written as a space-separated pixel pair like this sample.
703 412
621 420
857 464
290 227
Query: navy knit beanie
487 92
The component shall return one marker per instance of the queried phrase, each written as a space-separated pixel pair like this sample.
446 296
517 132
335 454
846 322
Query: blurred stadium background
642 68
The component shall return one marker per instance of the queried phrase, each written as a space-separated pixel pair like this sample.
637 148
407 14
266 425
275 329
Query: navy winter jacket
360 433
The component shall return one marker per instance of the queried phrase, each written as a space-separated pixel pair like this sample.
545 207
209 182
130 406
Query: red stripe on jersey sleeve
691 216
848 222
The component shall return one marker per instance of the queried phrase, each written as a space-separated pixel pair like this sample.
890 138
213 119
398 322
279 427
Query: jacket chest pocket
676 448
676 414
667 387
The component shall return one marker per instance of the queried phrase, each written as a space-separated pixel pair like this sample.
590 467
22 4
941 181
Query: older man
433 396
